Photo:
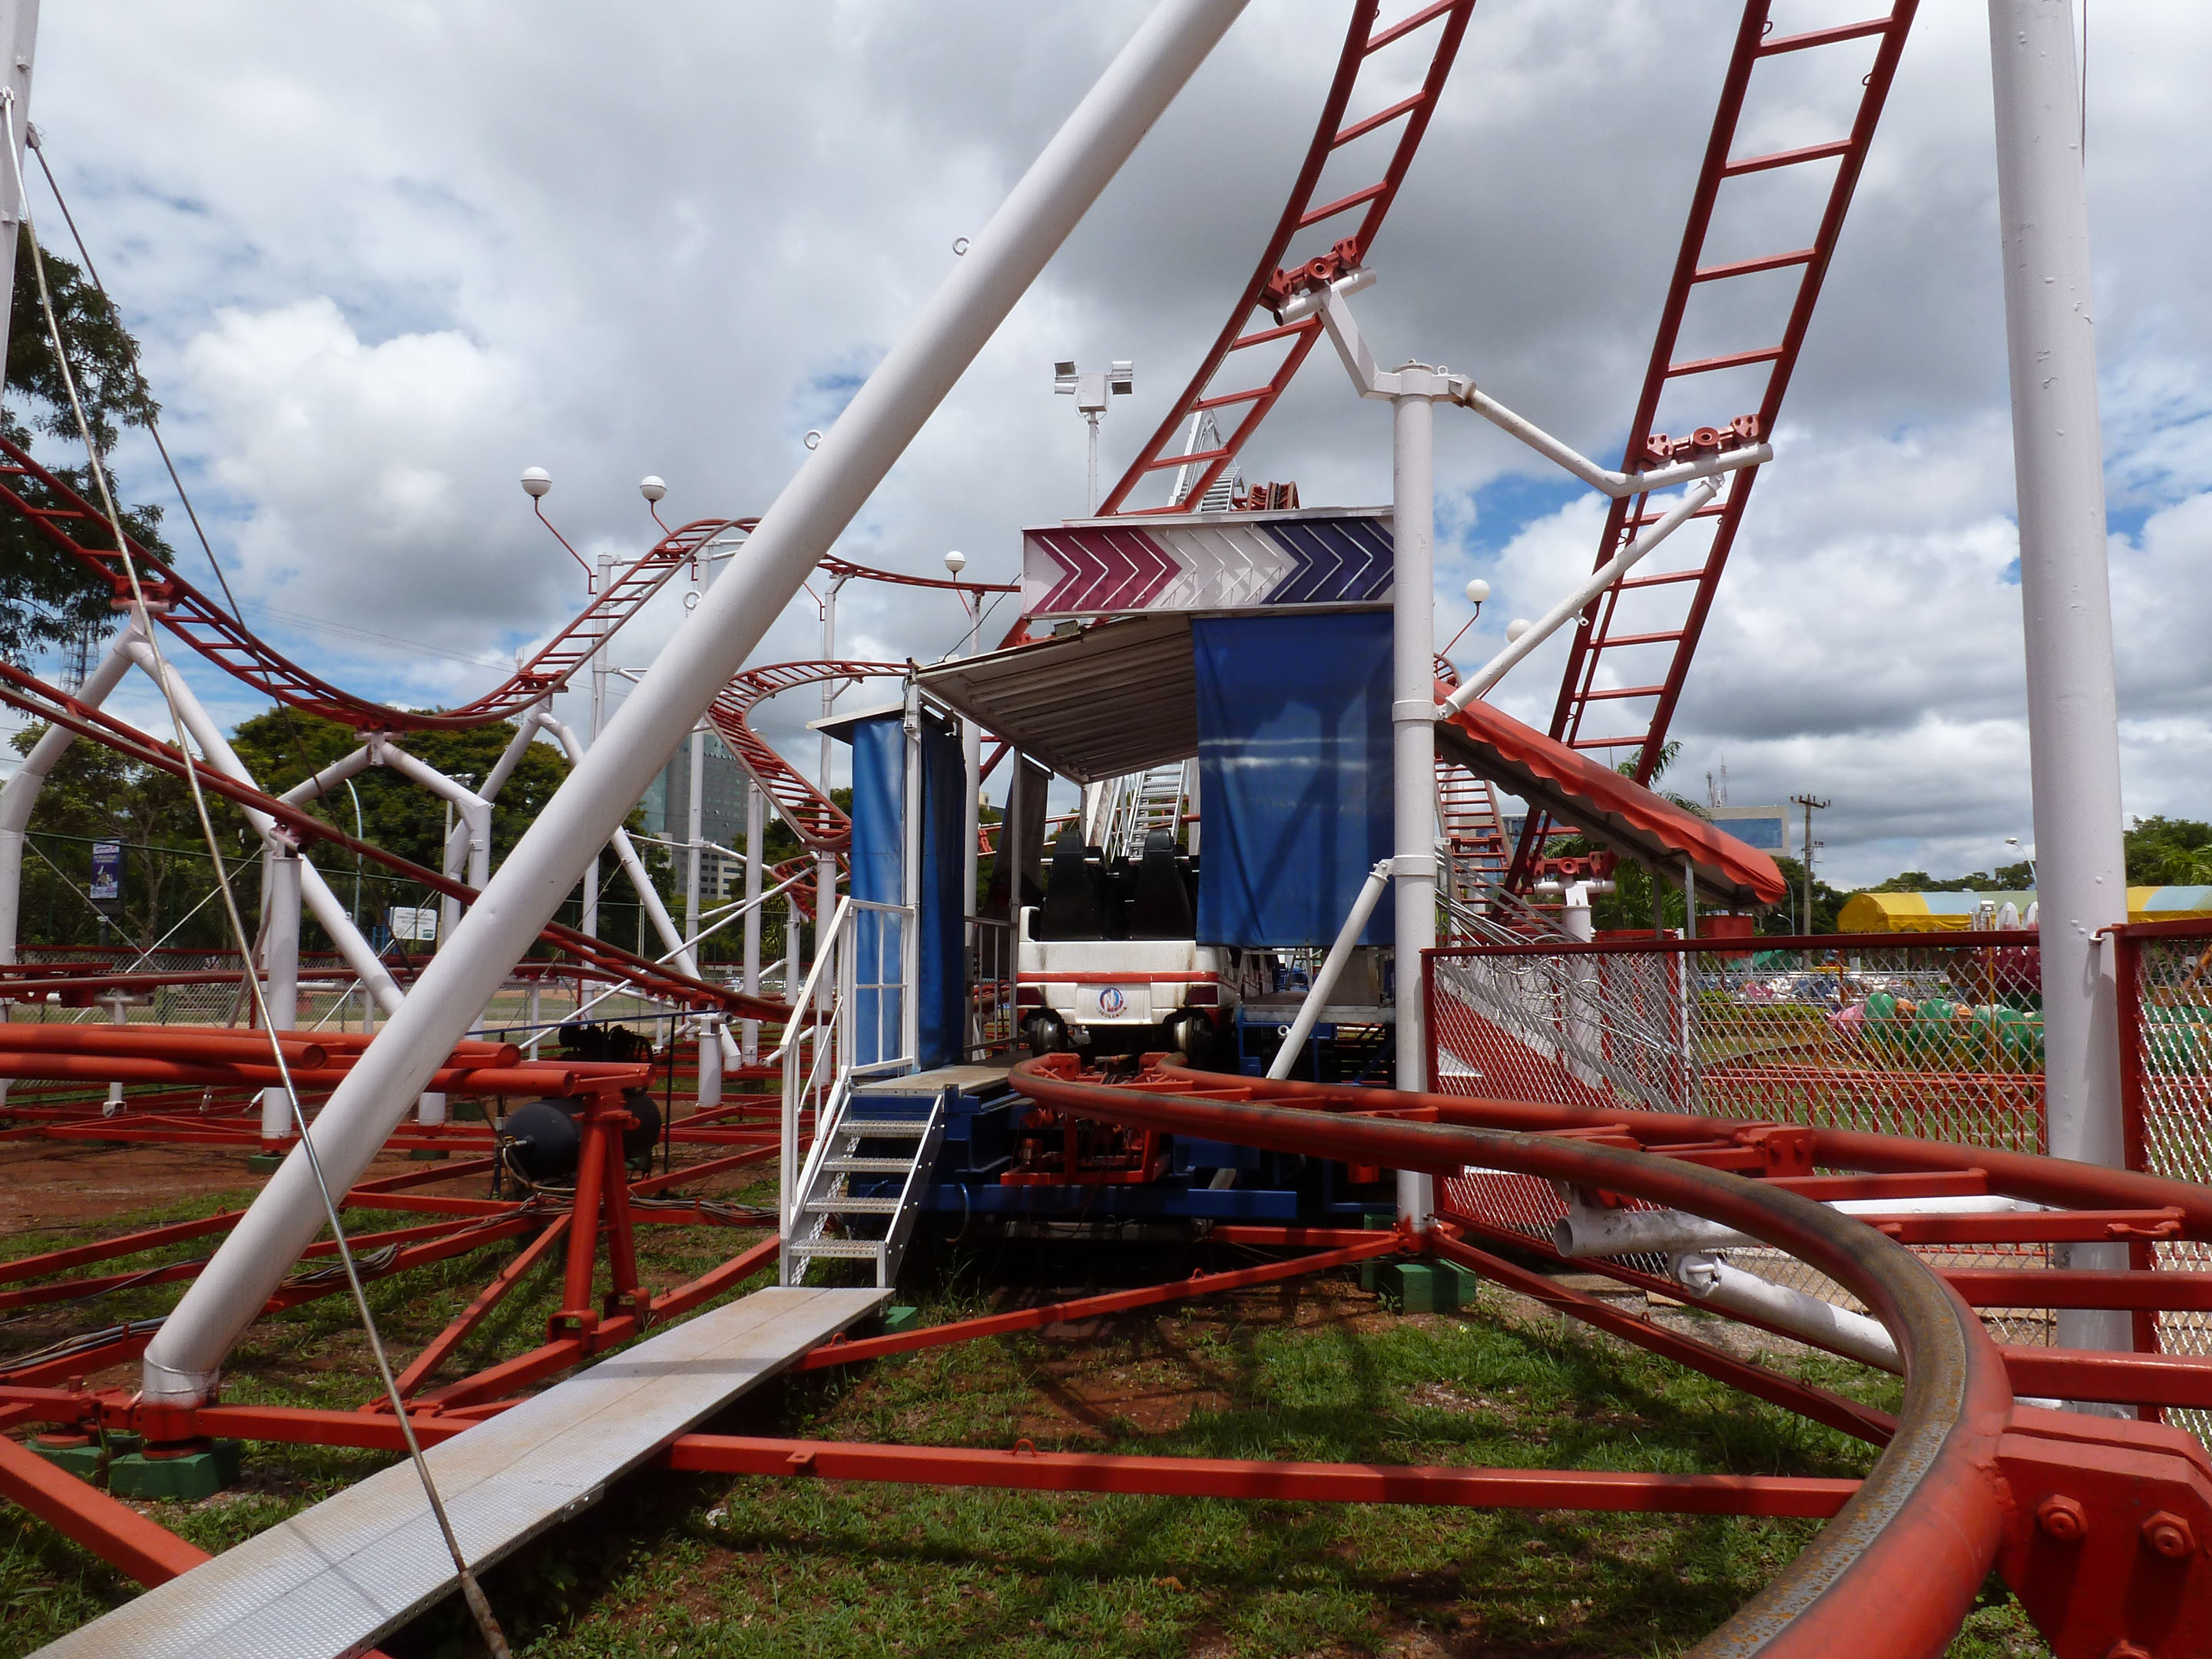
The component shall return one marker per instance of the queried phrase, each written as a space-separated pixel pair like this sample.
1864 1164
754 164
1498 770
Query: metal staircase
861 1186
1128 809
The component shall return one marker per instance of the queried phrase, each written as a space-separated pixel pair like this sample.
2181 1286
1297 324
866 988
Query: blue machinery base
983 1113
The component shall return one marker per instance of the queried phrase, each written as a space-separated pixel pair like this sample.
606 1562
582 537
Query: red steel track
65 518
1646 612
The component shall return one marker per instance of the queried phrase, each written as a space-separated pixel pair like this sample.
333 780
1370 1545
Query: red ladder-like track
71 523
1252 324
1643 611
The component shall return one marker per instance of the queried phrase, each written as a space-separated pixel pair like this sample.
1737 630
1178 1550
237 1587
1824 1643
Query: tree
94 794
48 597
2163 852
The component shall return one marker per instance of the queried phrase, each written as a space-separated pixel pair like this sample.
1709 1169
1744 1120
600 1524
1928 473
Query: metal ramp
865 1175
335 1578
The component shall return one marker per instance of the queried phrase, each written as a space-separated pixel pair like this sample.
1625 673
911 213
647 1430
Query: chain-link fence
1937 1037
2164 973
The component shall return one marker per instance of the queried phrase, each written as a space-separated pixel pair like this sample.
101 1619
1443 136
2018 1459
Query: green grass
700 1565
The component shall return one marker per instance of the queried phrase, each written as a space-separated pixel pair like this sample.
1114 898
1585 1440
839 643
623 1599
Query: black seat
1074 899
1161 909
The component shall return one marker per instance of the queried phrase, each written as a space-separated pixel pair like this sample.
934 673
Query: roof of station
1122 696
1114 698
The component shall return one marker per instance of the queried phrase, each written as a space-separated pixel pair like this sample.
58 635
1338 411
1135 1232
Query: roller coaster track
818 822
1642 611
41 702
1252 324
71 523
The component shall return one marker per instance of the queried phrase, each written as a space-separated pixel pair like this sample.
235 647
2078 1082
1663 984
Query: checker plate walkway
334 1578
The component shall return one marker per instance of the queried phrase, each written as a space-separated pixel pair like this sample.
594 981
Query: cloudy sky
382 260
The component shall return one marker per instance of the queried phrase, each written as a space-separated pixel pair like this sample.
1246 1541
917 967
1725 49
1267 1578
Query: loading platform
333 1579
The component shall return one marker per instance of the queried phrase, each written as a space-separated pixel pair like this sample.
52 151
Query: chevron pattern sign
1210 562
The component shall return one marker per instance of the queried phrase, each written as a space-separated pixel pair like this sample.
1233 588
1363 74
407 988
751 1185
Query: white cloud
380 263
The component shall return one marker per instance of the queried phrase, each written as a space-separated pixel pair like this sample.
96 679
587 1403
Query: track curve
1924 1528
62 515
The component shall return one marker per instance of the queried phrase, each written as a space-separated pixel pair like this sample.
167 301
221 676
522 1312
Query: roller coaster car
1109 961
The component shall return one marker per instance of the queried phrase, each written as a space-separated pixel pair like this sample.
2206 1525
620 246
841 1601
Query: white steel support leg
1413 749
694 820
19 36
186 1356
2073 720
281 956
755 826
710 1059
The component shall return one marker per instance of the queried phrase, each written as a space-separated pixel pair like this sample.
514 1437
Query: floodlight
1063 379
1121 378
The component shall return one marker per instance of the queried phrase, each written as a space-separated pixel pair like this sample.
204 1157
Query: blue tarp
1294 773
877 856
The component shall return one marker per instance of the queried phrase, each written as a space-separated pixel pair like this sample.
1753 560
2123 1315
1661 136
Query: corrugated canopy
1116 697
1122 696
1597 801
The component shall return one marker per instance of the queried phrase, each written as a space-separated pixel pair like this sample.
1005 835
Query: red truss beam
1026 1470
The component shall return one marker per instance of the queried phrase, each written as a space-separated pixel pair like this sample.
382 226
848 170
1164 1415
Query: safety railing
990 1012
849 1023
2163 971
1933 1037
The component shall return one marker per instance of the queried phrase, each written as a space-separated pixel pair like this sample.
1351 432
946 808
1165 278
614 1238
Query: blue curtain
1294 773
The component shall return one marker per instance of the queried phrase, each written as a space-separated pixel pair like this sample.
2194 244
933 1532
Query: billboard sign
107 873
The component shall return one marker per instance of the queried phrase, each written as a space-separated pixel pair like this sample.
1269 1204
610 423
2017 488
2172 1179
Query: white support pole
19 37
280 949
710 1059
755 826
1332 967
694 820
2073 718
971 761
910 882
588 921
1566 609
186 1356
1412 747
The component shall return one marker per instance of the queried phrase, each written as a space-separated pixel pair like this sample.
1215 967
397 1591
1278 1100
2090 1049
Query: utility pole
1812 804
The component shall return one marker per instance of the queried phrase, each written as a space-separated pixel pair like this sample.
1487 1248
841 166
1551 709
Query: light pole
1091 388
971 743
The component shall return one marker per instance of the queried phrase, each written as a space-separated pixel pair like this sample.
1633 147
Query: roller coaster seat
1074 892
1160 905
